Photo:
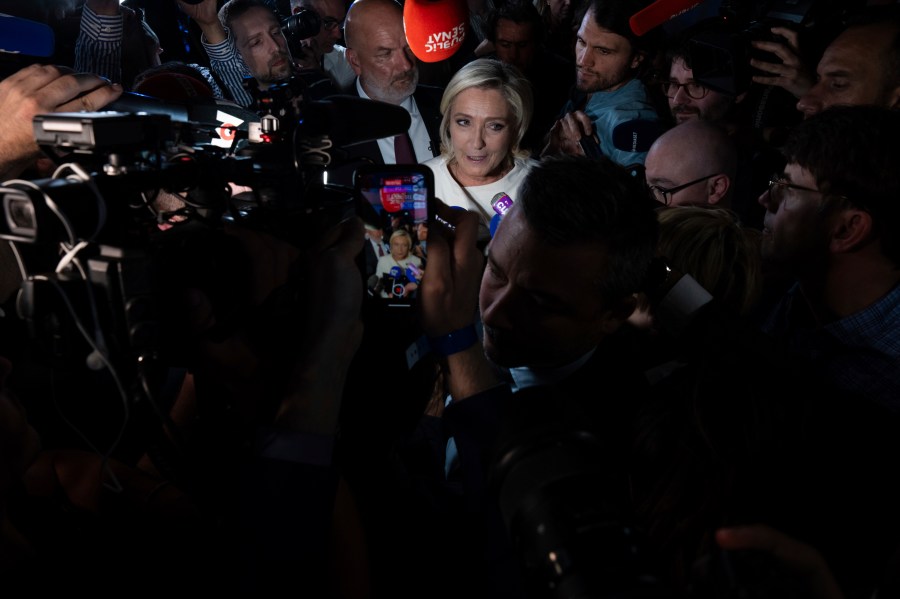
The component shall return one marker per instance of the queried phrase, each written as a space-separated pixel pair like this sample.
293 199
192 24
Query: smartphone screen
396 249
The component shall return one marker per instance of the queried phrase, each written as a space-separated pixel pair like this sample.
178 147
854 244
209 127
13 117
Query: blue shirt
607 110
859 353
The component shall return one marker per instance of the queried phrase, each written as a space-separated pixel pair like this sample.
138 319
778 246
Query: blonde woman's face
399 247
481 135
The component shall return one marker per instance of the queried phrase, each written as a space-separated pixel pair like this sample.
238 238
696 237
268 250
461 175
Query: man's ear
852 229
614 317
353 59
637 59
717 188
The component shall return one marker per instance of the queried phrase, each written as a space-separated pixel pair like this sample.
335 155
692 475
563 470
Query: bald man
692 164
859 67
386 71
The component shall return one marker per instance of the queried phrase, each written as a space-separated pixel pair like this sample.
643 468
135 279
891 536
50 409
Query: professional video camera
136 211
566 510
720 47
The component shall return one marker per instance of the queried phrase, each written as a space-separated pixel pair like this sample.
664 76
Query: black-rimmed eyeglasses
664 196
693 89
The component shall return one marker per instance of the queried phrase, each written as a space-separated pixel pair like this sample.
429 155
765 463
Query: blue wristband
455 342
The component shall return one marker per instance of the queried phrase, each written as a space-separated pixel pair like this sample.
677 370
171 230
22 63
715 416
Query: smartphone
396 204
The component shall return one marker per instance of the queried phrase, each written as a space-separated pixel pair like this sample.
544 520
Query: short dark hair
233 9
517 11
852 151
573 199
615 15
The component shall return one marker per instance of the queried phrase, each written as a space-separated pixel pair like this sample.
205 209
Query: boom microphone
349 120
435 29
658 13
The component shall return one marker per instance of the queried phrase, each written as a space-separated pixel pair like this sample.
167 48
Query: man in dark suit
386 71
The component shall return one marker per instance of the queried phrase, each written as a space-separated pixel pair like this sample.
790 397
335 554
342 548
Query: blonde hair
712 246
402 233
489 73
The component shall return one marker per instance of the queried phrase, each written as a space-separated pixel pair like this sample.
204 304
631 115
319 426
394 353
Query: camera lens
301 25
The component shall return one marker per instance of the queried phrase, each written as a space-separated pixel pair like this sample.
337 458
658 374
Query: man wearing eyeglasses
833 223
693 164
324 46
689 99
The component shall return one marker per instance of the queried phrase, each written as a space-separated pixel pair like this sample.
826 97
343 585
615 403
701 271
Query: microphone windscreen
658 13
435 29
349 120
637 135
24 36
501 202
495 222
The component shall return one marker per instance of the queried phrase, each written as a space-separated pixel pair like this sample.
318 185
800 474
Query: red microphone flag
435 29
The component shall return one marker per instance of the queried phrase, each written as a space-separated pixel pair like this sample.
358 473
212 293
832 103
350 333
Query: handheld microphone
435 29
501 203
658 13
24 36
637 135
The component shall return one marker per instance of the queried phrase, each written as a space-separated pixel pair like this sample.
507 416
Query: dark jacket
345 160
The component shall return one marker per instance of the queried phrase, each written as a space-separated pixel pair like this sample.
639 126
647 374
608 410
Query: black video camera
720 48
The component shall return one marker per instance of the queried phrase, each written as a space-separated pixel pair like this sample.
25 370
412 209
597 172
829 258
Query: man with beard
610 105
243 39
386 71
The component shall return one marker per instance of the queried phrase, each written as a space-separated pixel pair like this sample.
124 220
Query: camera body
721 48
138 209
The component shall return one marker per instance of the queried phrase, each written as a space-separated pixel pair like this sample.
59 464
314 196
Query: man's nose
811 103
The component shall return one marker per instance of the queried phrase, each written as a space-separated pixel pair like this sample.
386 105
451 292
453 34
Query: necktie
380 250
403 150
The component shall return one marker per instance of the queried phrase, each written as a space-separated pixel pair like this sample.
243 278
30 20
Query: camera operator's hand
792 74
803 560
42 89
205 14
565 136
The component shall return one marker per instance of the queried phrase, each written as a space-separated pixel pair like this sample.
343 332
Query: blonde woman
486 108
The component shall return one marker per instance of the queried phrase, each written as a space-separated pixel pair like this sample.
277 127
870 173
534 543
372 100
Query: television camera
137 211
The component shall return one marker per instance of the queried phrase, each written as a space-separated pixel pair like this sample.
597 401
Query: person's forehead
255 18
595 35
512 31
856 49
679 70
799 175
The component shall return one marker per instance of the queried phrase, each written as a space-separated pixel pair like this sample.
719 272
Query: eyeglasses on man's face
330 23
778 187
693 89
664 195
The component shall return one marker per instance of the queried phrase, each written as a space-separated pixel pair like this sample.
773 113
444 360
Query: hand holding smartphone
395 199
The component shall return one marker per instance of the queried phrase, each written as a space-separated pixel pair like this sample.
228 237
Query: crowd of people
666 364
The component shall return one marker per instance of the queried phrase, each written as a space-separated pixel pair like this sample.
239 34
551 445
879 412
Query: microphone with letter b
435 29
501 203
658 13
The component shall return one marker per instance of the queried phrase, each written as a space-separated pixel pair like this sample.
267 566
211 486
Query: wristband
455 342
